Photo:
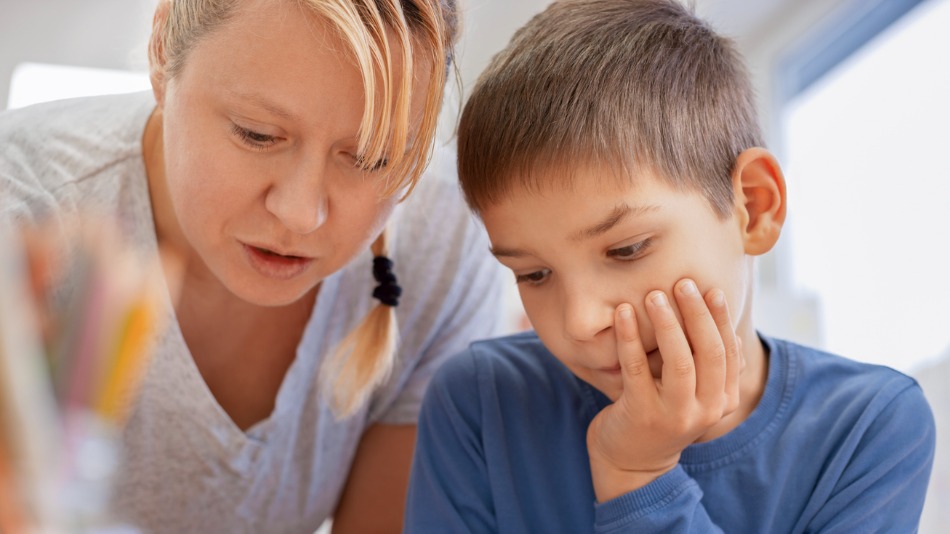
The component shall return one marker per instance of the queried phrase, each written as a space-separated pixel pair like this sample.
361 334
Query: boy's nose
299 199
586 315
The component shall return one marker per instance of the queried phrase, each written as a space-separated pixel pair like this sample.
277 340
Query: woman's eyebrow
619 213
264 103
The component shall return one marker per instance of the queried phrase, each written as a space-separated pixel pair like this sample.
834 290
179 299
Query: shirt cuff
643 501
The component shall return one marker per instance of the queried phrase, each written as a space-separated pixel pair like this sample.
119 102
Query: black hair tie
387 291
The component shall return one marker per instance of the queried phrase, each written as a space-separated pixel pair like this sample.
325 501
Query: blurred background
853 99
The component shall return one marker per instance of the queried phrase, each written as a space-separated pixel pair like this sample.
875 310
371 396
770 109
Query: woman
278 140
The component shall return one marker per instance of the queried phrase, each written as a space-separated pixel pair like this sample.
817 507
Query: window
869 190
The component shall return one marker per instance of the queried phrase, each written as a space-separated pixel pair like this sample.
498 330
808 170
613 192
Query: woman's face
260 145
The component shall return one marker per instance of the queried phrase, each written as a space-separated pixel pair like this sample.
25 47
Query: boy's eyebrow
619 213
507 252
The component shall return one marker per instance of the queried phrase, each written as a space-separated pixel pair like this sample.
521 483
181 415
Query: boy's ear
759 192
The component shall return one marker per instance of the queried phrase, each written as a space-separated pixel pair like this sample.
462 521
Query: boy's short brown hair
623 85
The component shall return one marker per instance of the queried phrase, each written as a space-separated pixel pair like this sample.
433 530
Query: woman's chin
270 294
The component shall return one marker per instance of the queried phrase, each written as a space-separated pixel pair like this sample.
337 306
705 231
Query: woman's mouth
273 264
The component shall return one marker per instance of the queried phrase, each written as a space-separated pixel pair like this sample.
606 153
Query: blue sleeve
671 503
448 488
883 485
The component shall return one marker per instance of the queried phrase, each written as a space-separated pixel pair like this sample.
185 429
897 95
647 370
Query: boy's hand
641 435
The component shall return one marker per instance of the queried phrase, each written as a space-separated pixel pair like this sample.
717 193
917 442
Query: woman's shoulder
439 247
85 123
435 210
50 146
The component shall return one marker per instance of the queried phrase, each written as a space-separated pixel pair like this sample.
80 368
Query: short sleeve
454 291
21 195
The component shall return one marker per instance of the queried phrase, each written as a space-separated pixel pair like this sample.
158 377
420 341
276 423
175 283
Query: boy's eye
630 252
253 139
535 278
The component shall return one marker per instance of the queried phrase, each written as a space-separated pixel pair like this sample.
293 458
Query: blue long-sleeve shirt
833 446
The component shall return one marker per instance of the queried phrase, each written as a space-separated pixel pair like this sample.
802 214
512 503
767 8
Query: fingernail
718 299
626 313
688 287
658 298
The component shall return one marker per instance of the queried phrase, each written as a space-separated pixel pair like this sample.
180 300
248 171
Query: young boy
612 152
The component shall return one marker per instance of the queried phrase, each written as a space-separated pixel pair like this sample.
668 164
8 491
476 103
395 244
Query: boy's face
578 253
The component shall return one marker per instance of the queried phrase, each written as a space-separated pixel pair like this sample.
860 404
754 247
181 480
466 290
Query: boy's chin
612 395
612 389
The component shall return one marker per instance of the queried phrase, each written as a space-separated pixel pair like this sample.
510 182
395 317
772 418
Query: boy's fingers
709 353
634 367
716 300
679 372
741 354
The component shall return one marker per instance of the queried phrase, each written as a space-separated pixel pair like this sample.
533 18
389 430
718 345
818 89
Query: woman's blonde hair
422 35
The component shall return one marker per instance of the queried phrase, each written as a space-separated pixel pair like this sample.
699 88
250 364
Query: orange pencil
13 517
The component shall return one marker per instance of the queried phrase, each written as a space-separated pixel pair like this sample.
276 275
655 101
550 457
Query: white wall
91 33
487 27
113 33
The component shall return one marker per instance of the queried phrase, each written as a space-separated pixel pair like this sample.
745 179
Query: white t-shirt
187 467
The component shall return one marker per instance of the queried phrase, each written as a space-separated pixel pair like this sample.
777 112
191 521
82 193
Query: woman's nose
299 199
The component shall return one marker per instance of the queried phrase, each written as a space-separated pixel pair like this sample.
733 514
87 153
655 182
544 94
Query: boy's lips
281 265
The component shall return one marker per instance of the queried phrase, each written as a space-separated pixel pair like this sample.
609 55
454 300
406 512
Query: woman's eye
533 278
375 166
253 139
629 252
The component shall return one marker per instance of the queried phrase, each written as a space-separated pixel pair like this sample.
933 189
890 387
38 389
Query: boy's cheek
645 324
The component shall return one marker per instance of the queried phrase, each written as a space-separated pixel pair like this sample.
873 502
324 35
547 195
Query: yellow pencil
131 355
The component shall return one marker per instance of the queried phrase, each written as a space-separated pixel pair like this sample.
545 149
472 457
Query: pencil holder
65 392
